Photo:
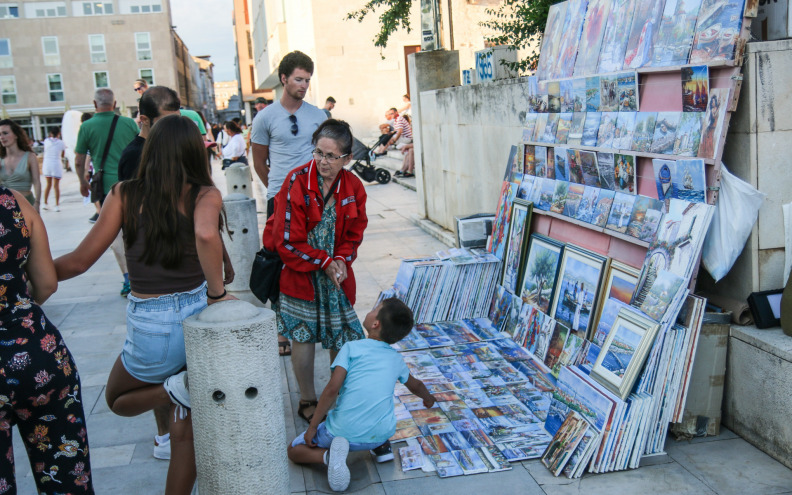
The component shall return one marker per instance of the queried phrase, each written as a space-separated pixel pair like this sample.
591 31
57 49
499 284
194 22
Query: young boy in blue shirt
363 378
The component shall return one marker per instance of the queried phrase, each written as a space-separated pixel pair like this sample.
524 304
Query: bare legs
303 454
50 181
302 357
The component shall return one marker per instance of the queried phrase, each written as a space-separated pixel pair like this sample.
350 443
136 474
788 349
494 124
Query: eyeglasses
139 88
319 156
294 129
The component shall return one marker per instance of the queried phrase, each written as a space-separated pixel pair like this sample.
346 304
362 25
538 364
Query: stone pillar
242 243
239 180
236 398
428 70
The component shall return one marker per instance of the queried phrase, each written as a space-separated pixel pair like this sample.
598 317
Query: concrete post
243 243
236 398
238 179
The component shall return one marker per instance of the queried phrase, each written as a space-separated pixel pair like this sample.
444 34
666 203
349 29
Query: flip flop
284 348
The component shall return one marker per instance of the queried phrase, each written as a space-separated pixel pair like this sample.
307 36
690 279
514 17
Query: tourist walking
52 167
19 168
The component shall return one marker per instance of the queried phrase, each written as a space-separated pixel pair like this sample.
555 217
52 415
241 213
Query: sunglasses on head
294 129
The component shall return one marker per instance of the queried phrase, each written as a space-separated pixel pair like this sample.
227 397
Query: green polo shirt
193 115
93 137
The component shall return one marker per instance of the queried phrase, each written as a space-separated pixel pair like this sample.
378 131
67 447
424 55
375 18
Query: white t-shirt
53 147
235 147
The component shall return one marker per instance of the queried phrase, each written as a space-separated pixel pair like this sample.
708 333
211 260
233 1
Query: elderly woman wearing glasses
318 224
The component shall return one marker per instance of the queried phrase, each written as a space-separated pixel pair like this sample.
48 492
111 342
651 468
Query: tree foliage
396 16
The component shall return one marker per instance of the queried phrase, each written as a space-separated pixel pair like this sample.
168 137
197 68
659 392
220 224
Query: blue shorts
154 347
324 438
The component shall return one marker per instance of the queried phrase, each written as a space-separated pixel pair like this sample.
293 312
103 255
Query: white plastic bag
735 215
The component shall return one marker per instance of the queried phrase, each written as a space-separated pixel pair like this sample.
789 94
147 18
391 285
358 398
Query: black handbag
265 275
97 179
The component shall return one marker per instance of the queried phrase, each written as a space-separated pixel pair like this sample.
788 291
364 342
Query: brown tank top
155 278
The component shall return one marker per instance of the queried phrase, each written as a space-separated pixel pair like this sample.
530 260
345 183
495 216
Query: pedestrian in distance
19 169
234 151
174 251
52 167
329 106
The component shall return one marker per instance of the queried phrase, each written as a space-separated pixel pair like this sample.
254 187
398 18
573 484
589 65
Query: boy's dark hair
396 320
156 99
330 99
295 60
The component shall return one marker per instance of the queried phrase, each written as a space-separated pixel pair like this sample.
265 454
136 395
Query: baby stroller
363 167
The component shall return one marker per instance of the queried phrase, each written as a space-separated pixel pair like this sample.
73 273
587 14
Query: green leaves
395 17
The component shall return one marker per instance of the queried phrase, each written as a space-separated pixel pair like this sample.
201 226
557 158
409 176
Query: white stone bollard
237 403
244 241
239 180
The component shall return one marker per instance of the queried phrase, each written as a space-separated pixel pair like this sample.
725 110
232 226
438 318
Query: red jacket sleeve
346 249
290 230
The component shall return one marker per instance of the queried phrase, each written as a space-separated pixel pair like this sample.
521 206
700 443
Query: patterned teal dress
329 318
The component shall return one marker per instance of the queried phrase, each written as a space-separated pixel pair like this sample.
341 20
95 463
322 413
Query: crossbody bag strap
107 144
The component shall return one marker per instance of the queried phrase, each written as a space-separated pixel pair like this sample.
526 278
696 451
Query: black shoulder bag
265 275
97 179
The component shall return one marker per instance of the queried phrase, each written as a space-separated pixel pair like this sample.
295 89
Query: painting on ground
541 270
643 31
570 39
515 249
712 123
672 45
614 41
591 38
695 88
717 30
551 41
688 135
578 286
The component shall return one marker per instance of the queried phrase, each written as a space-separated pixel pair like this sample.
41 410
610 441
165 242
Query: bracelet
215 298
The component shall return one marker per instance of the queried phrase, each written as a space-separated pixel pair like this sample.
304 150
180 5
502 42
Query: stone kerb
236 399
243 242
239 180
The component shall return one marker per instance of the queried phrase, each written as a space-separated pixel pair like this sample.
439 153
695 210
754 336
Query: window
101 79
81 8
45 9
49 45
140 6
143 44
6 61
97 44
55 84
147 75
9 11
8 90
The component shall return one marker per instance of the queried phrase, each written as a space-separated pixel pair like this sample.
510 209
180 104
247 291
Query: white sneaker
178 389
162 450
337 470
45 206
57 208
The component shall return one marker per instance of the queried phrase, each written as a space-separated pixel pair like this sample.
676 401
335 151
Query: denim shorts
324 438
154 347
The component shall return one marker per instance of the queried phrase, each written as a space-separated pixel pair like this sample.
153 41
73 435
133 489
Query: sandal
305 404
284 348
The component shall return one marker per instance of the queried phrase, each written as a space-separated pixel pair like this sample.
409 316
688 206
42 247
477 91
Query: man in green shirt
93 138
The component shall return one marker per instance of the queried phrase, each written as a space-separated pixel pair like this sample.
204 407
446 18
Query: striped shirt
405 127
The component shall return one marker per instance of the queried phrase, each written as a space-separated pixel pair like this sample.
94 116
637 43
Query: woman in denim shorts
175 256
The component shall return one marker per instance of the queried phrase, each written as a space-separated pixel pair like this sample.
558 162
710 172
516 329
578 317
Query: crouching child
363 377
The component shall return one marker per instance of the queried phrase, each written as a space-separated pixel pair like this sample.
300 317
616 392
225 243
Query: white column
239 180
242 243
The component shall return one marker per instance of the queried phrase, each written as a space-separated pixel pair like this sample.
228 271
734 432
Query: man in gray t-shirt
282 132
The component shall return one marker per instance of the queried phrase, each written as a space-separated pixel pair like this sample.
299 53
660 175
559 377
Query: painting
579 95
643 30
570 39
528 128
625 173
574 195
664 171
508 174
627 84
645 218
591 129
540 271
553 97
564 443
604 204
551 41
688 135
559 197
588 204
575 172
513 316
588 166
555 346
673 42
560 163
606 169
661 294
579 277
550 128
614 41
575 136
607 129
619 283
550 168
624 352
546 194
624 130
540 161
533 95
695 88
717 30
520 222
690 181
529 167
712 123
643 131
539 130
535 322
592 94
543 338
620 213
564 123
665 132
567 96
591 38
609 93
496 242
526 186
499 308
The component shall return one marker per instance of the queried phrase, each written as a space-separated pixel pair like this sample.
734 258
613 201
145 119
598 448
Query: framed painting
579 279
619 283
540 271
516 245
623 354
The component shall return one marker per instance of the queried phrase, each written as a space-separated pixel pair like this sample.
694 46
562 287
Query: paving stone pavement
90 314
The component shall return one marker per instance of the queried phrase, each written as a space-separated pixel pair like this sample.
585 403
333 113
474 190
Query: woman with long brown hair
19 168
171 216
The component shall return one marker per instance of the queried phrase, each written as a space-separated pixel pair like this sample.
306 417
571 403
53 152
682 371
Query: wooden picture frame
623 354
577 288
540 279
516 245
619 282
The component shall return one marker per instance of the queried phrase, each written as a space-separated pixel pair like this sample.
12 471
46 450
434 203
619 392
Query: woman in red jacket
318 224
